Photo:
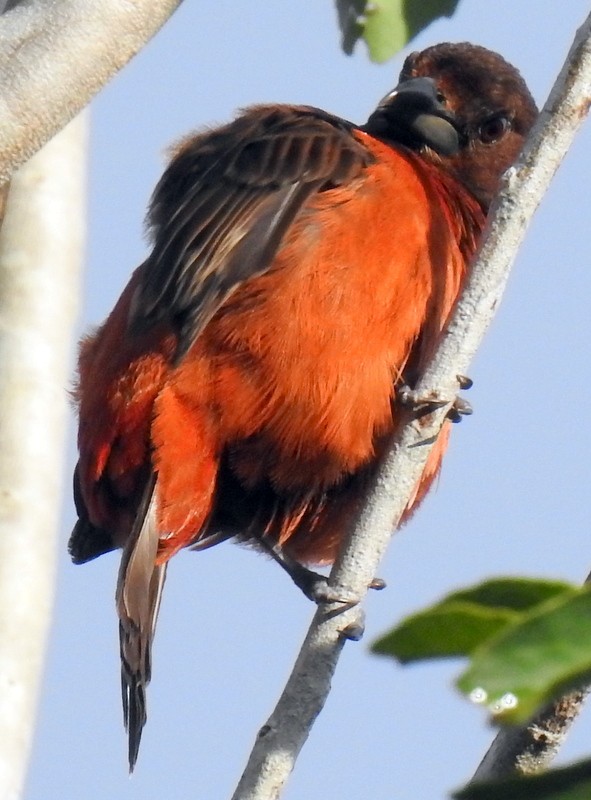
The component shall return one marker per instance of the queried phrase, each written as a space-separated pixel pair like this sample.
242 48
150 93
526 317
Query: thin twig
281 738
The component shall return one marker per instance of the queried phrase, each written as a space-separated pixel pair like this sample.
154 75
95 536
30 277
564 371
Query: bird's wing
223 205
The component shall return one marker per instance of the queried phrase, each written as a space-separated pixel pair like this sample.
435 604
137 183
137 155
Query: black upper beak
413 115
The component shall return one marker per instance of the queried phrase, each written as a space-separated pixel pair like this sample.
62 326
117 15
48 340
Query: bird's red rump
302 268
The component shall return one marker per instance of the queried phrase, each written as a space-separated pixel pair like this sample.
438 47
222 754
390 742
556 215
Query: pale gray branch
55 56
281 738
41 248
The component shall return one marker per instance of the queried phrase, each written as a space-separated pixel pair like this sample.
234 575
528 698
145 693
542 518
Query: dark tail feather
87 541
139 590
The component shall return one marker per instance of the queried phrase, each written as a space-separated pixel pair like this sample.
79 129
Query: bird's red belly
306 356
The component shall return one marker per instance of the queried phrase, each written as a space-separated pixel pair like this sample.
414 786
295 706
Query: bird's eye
441 98
493 129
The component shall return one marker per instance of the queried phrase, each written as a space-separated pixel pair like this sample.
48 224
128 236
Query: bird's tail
139 590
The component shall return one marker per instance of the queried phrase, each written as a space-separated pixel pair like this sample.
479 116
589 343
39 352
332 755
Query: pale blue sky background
513 496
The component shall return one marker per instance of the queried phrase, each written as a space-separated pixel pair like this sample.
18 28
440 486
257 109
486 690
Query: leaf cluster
528 642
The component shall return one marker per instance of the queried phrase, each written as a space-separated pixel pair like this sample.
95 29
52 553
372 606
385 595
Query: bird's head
463 107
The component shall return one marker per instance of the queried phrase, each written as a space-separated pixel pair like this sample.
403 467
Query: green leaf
452 629
518 594
567 783
529 641
464 620
534 659
387 25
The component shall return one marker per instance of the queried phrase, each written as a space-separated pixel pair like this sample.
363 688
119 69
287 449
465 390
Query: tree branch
41 244
40 43
528 749
281 738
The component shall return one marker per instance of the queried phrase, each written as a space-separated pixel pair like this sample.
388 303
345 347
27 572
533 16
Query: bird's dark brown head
490 105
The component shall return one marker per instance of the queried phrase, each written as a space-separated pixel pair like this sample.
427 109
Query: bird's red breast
302 268
294 377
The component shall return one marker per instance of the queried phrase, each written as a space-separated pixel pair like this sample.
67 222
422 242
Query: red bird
303 268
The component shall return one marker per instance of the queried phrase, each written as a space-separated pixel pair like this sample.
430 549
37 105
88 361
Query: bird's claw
460 408
355 629
464 382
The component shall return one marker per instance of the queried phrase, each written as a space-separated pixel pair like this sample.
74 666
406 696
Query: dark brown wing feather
221 209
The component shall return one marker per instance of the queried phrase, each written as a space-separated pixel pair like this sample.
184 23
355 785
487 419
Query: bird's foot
425 404
313 584
317 588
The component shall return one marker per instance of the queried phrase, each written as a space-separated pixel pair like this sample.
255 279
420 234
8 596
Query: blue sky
513 496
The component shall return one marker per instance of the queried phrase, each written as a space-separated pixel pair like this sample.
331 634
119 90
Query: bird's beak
412 115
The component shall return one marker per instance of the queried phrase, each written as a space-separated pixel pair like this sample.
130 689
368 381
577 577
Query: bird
302 271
